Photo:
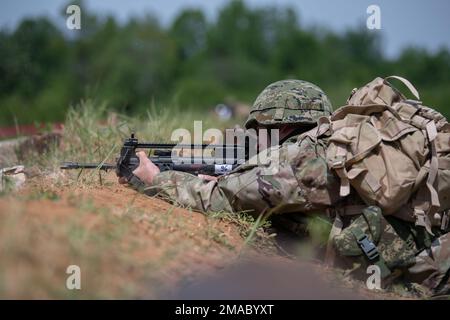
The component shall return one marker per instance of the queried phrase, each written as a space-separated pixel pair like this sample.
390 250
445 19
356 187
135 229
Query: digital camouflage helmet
289 102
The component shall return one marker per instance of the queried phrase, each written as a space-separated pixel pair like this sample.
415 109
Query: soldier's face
285 131
264 140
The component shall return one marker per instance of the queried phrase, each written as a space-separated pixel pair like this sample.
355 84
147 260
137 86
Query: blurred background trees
194 63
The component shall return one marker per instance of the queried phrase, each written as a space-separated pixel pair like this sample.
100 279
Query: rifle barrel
186 146
78 165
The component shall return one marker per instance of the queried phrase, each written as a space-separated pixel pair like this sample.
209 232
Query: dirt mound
128 245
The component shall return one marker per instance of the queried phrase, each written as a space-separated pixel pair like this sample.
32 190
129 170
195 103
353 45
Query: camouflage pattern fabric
393 250
300 182
289 102
297 181
432 266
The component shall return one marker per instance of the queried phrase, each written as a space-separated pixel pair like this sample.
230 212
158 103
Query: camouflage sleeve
190 191
296 180
432 266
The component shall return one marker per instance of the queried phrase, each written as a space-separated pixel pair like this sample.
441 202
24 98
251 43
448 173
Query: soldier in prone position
297 180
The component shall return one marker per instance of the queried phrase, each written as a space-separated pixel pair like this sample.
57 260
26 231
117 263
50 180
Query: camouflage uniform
432 266
298 181
301 182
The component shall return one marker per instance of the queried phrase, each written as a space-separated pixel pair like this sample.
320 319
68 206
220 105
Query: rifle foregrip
209 169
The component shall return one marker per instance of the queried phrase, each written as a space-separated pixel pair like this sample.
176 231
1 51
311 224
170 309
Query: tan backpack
393 151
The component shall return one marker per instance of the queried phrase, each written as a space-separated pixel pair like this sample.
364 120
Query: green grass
91 134
65 227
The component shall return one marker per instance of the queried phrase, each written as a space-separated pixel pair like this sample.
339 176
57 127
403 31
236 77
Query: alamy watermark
73 281
225 147
373 21
73 21
373 282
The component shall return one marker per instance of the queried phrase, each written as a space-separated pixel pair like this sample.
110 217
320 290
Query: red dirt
26 130
132 246
178 243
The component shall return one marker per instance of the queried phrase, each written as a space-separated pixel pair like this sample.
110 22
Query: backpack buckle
368 247
338 163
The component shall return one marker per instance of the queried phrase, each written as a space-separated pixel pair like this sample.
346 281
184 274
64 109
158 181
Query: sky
404 23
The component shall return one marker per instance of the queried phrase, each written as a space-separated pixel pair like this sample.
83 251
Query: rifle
165 158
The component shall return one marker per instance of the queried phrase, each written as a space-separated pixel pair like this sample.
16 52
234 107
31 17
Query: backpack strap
367 246
371 252
338 165
445 222
407 84
434 166
424 210
336 229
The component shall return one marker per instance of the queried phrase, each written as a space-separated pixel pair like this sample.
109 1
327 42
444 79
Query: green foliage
319 229
92 134
194 63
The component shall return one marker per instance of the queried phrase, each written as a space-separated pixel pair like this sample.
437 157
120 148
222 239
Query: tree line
194 62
